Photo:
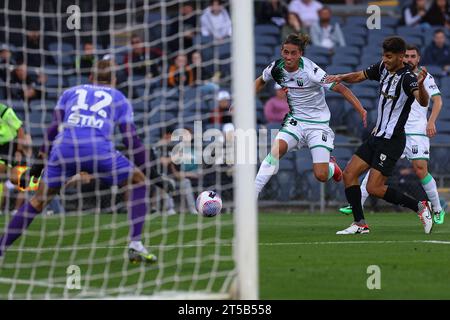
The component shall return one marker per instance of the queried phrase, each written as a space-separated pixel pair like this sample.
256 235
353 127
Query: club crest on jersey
415 149
382 157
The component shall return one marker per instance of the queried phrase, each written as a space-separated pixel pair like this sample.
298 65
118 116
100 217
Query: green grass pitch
300 257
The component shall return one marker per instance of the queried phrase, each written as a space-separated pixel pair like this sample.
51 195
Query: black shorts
382 154
7 152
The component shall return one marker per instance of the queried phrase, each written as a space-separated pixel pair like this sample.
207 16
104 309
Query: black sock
353 195
396 197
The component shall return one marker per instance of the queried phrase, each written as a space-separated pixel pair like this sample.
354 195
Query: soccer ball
209 203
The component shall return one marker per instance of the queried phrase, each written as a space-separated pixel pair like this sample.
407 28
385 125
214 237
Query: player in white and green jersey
418 131
307 123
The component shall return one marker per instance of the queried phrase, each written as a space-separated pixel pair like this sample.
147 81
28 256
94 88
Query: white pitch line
228 244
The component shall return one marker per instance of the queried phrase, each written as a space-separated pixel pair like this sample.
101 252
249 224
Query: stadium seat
414 39
436 71
350 31
444 86
268 40
343 59
77 80
356 40
338 69
270 29
387 21
314 51
321 61
365 92
356 21
443 126
342 153
404 31
62 53
303 164
262 50
224 50
349 51
445 111
262 60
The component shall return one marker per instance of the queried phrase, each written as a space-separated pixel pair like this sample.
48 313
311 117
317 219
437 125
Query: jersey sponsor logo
382 158
81 120
300 82
415 149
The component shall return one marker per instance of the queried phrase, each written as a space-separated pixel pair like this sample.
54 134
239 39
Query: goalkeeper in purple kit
80 140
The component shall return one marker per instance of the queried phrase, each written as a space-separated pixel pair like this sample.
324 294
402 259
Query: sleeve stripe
365 74
436 94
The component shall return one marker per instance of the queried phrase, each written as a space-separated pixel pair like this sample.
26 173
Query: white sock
330 170
430 187
138 246
364 193
268 168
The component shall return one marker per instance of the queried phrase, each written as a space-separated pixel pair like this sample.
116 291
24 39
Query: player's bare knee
321 175
421 171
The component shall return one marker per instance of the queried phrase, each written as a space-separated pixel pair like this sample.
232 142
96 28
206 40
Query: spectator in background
7 61
222 114
33 52
276 107
215 21
180 73
324 34
179 162
307 11
293 25
25 86
184 26
438 52
84 62
273 11
439 14
203 75
139 61
413 14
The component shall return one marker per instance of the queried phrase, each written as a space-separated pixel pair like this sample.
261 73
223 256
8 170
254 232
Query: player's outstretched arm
422 95
352 77
353 100
437 106
259 84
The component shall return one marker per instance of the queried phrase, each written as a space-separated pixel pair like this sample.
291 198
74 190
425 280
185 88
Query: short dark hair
438 31
413 47
299 40
394 45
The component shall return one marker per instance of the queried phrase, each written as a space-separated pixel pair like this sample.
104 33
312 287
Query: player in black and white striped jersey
399 87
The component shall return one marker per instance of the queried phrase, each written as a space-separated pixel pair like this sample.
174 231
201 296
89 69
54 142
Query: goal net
174 66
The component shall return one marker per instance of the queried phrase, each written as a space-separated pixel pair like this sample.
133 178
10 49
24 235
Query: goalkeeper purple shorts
65 161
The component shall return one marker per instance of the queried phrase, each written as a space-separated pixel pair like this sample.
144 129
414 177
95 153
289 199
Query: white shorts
417 147
299 134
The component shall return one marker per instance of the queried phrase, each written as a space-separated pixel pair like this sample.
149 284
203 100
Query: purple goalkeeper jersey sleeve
90 114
